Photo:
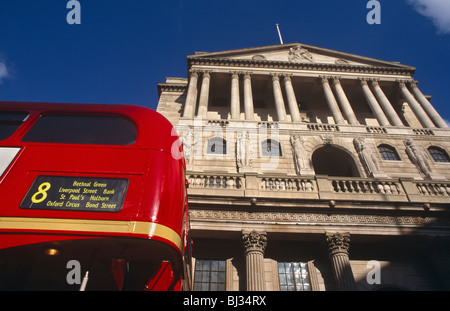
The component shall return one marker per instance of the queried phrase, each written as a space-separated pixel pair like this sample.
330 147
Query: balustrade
334 188
433 189
323 127
366 186
287 184
215 181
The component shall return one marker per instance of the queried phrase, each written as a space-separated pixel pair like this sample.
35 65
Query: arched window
333 161
217 145
388 153
271 148
439 154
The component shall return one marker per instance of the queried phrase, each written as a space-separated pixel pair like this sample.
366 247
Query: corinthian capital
275 76
363 81
338 242
324 79
194 73
254 241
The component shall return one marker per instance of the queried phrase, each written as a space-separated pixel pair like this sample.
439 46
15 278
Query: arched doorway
333 161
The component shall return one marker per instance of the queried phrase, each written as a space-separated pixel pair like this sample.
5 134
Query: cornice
267 64
171 87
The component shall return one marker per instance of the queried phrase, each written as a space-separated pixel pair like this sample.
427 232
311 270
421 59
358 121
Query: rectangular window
10 122
209 275
82 129
294 276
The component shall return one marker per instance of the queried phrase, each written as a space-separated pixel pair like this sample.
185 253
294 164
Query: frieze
313 218
299 66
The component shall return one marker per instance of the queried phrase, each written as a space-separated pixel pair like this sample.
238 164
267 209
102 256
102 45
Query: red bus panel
91 183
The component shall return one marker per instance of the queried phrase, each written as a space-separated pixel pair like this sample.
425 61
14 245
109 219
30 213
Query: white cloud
3 72
437 10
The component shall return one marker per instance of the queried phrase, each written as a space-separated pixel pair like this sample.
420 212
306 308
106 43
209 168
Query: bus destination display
76 194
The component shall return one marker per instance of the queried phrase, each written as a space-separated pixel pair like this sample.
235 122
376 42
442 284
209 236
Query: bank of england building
311 169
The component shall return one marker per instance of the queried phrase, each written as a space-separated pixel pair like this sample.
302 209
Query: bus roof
154 130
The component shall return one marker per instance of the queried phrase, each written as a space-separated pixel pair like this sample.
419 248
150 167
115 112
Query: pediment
298 53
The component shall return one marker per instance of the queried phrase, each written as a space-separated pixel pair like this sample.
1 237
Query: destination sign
76 194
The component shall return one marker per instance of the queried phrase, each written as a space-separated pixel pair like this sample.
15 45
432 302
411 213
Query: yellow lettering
106 191
70 204
55 203
90 191
104 205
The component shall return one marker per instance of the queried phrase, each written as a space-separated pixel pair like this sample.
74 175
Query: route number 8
42 190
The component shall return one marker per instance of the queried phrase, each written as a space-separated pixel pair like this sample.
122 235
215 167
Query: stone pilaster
255 244
426 105
345 104
415 106
373 103
386 104
191 97
204 95
338 245
235 102
278 95
292 100
248 96
331 100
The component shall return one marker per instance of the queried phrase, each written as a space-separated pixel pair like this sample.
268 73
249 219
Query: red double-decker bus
91 198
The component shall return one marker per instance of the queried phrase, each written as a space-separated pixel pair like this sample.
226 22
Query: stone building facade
311 169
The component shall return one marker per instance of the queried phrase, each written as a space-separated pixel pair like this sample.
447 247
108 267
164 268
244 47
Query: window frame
271 154
214 140
438 154
40 117
292 273
389 153
15 124
220 286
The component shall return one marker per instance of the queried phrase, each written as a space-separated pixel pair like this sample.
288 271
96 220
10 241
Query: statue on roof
298 53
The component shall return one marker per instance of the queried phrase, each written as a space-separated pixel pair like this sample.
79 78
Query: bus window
10 122
80 129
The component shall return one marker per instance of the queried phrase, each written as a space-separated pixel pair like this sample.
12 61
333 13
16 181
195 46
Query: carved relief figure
418 158
301 158
297 54
187 149
368 159
243 150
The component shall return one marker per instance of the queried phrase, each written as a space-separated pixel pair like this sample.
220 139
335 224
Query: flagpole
279 34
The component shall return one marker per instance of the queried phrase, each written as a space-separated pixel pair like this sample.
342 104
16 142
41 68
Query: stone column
292 101
338 246
415 106
343 100
387 106
429 109
278 95
255 244
373 103
332 103
204 95
438 251
235 102
248 96
191 97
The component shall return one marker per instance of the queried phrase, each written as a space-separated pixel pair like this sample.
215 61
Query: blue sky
123 48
